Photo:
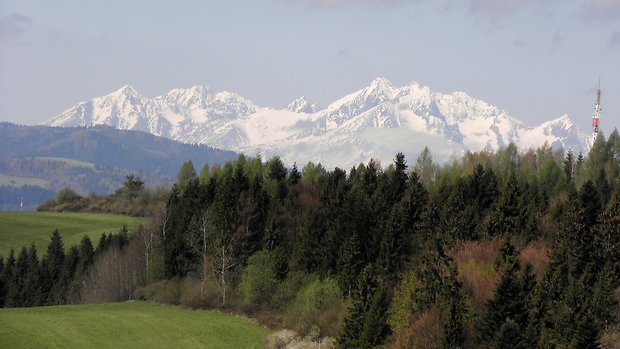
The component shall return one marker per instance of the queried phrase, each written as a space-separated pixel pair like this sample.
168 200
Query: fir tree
569 166
507 304
53 266
454 328
365 326
186 174
509 336
587 334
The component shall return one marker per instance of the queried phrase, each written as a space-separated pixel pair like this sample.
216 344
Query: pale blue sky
536 59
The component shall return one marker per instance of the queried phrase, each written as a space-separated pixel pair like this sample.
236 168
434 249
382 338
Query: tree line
368 255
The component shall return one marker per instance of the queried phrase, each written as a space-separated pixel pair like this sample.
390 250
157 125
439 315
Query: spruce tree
569 166
186 174
355 323
587 334
10 272
507 304
349 259
454 328
375 328
505 218
509 336
53 266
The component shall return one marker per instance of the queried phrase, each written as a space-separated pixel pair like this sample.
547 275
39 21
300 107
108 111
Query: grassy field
19 181
125 325
19 229
71 162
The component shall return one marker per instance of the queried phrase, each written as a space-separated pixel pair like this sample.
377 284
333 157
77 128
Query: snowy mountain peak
126 91
376 121
302 105
379 87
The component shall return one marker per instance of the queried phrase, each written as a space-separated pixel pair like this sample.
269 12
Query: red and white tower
597 112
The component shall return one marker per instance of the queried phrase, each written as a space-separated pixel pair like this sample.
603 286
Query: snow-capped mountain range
377 122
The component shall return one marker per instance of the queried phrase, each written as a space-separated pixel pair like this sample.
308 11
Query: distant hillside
36 161
102 145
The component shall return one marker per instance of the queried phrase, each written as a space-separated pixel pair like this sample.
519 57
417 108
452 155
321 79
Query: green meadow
126 325
18 229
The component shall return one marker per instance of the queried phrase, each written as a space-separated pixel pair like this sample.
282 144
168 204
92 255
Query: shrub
286 291
66 195
259 279
318 304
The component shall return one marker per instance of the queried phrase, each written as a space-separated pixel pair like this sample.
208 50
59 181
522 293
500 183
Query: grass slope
71 162
125 325
19 181
18 229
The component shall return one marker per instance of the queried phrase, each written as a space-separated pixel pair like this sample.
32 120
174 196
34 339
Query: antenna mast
597 111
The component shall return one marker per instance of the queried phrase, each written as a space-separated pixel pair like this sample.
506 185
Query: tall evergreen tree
569 166
53 266
509 336
454 328
509 303
365 326
186 174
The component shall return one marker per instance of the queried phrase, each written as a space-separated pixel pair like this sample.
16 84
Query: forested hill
505 250
131 150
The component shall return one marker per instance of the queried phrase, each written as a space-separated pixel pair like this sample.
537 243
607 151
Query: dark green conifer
509 336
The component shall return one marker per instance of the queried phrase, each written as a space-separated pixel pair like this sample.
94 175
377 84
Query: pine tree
508 303
393 245
454 328
507 255
569 166
294 176
349 263
356 324
186 174
587 334
53 266
10 277
87 253
608 237
375 328
509 336
2 282
505 218
32 283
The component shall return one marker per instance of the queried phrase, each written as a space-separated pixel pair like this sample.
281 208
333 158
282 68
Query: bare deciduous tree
223 261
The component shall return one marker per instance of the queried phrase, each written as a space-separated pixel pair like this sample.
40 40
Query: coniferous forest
514 249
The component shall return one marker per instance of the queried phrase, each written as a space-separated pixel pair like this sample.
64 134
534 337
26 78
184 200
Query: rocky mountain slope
375 122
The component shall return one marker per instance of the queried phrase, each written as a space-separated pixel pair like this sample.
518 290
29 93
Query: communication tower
597 112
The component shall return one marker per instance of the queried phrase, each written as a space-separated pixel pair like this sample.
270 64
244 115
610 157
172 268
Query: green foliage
186 174
315 304
425 167
132 187
366 323
312 172
294 245
67 195
259 278
587 334
509 336
510 303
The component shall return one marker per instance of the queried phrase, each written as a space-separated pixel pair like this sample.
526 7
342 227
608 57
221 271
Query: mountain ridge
344 133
